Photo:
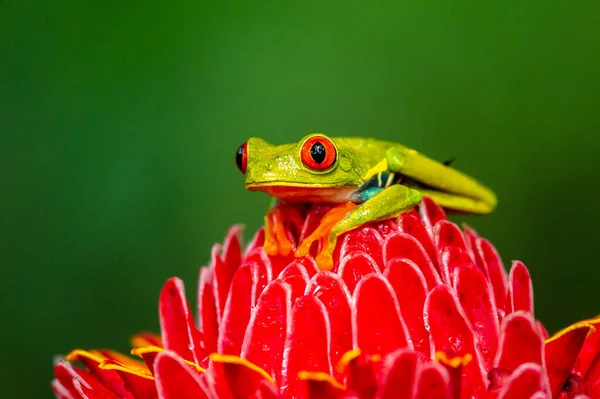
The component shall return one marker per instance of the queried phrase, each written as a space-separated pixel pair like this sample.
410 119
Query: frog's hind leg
446 186
388 203
457 203
326 226
276 240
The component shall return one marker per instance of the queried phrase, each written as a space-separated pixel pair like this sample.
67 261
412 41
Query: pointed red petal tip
415 308
177 323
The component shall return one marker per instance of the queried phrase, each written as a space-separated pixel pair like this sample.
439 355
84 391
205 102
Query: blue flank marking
368 193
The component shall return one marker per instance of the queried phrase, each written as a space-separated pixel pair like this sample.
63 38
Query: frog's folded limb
450 188
276 240
389 203
323 234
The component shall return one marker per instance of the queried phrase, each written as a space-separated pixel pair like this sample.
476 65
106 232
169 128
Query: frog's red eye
241 157
318 153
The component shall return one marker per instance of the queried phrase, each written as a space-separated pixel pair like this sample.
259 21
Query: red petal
320 386
232 250
411 290
309 264
520 342
297 277
361 372
542 330
236 377
379 327
385 227
364 239
307 345
257 241
589 352
520 290
148 353
225 268
237 310
431 213
175 379
410 224
139 387
265 337
454 367
331 291
61 392
475 296
489 261
523 383
81 384
219 274
447 234
561 354
266 390
592 379
452 258
401 245
207 311
354 267
263 267
452 334
177 323
400 378
109 378
279 262
433 383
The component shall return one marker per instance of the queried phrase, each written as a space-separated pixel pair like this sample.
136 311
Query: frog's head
315 169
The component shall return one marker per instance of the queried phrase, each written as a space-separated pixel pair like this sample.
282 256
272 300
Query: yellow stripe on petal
194 365
79 354
123 359
346 359
220 358
155 349
113 365
146 349
589 324
457 361
322 377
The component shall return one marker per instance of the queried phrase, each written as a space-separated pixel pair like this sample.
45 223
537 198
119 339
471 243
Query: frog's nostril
269 166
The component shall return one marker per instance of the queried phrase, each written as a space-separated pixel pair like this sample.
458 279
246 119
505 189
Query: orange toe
323 234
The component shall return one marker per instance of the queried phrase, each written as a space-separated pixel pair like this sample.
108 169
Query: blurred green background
119 121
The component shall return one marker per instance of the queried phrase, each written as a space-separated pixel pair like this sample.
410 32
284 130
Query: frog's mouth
307 193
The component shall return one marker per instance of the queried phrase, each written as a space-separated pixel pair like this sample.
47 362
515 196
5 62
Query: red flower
415 308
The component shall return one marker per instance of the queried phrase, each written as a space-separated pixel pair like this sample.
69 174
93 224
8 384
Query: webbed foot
276 240
326 236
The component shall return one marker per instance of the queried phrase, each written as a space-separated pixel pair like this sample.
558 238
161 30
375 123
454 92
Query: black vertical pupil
317 152
239 156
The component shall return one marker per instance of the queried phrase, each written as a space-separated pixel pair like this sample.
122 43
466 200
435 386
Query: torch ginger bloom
414 308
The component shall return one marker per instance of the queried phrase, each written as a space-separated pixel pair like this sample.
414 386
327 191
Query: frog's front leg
384 204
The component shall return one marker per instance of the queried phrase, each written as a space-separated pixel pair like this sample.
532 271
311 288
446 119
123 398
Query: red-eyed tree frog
366 179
